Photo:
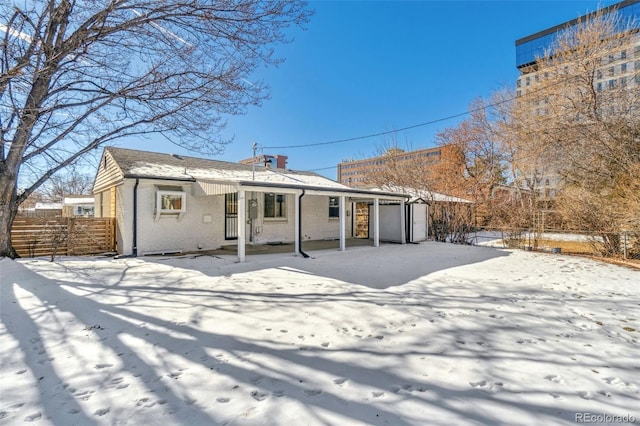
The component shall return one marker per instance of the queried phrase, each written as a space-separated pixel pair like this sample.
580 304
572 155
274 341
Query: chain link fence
623 245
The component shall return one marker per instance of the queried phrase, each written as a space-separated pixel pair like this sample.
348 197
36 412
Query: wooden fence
68 236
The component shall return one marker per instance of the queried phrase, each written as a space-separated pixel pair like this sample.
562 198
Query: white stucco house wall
171 203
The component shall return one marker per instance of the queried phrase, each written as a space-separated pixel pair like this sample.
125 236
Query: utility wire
427 123
371 135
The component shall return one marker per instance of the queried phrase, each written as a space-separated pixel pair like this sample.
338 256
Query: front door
231 216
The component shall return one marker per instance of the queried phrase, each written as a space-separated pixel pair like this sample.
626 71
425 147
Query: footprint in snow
175 375
222 400
278 393
101 366
84 395
33 417
486 385
377 394
145 403
259 396
313 392
407 388
555 379
586 395
340 381
101 412
620 384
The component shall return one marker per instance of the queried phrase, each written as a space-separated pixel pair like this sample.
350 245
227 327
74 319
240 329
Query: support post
376 222
242 224
296 232
343 217
403 223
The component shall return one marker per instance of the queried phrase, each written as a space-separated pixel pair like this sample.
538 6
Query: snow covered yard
399 335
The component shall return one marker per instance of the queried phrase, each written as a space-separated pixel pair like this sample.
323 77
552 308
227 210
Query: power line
321 168
371 135
427 123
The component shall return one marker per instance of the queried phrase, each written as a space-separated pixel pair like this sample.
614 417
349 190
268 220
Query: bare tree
398 168
77 74
425 176
70 181
472 161
588 98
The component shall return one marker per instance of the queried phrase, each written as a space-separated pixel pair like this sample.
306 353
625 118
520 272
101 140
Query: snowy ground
399 335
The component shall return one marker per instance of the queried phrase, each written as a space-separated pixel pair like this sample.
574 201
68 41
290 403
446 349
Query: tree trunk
8 211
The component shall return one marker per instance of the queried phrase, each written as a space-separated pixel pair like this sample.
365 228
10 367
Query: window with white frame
170 202
334 207
275 205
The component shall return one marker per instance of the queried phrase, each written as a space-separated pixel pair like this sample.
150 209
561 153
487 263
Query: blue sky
365 67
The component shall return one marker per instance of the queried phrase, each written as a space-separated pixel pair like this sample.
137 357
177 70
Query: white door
418 222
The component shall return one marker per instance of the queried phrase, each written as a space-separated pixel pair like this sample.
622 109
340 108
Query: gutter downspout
305 255
135 219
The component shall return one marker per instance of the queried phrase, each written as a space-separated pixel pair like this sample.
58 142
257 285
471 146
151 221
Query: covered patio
343 194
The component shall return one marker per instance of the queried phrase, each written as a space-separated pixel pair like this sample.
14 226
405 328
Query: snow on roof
169 166
425 195
73 201
48 206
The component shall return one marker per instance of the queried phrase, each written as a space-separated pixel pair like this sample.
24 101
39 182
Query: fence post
70 225
624 245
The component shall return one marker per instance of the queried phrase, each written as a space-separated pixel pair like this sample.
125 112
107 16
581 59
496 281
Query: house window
623 68
623 54
170 202
612 84
275 205
334 207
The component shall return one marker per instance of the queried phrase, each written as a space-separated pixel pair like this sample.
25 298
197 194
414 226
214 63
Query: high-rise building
618 68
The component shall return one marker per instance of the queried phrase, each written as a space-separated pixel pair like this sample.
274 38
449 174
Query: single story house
78 206
171 203
44 209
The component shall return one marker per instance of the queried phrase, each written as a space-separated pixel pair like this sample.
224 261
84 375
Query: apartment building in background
354 173
618 68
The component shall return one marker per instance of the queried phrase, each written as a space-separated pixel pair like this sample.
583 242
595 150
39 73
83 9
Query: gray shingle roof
154 165
137 163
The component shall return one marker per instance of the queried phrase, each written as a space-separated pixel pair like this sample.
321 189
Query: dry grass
576 247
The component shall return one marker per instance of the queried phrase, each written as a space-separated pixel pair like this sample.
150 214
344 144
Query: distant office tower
545 72
618 68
